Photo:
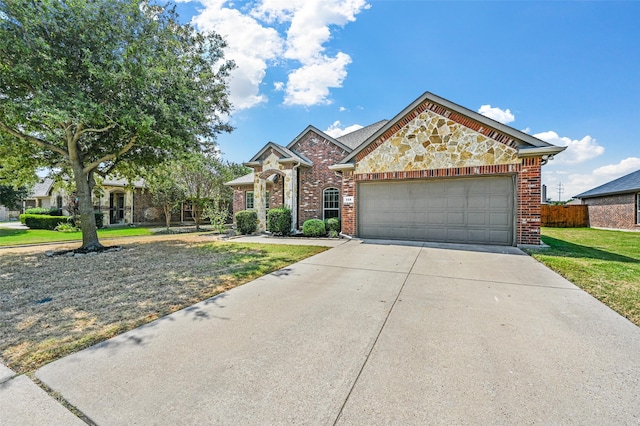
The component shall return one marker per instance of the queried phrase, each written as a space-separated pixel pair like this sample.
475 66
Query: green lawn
13 237
606 264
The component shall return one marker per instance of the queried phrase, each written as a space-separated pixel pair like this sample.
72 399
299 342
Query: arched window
330 203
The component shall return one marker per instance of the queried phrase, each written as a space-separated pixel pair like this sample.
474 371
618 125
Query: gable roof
319 132
627 183
42 188
355 138
247 179
527 145
287 154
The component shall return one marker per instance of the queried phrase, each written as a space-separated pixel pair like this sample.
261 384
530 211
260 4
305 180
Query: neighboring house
44 195
435 172
120 203
615 204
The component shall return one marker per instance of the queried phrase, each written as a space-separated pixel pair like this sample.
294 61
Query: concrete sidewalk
372 333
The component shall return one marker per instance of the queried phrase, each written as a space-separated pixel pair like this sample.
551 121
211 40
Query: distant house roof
42 188
628 183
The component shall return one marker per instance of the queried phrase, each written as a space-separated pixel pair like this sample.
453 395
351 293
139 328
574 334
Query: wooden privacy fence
575 216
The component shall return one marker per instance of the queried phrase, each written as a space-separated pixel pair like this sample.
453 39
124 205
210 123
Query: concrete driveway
370 333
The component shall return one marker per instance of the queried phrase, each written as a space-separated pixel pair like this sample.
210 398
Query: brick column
529 187
349 210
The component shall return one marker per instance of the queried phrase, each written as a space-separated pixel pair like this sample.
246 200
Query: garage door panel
477 218
461 210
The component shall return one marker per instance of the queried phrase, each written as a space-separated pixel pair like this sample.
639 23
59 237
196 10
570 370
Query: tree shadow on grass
562 248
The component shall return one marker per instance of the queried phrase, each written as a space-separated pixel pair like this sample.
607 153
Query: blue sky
566 72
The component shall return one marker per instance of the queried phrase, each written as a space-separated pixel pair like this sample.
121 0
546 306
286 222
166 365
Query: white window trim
638 208
324 208
246 200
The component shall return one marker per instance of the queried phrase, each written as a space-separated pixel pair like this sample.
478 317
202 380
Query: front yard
606 264
12 237
53 306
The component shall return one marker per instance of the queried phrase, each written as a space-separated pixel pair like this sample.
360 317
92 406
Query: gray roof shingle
627 183
42 188
355 138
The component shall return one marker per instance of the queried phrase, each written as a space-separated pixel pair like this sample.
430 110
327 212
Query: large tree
104 86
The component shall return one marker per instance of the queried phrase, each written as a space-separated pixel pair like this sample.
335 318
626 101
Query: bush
40 211
332 225
247 221
66 227
40 221
279 221
99 218
48 211
75 220
314 228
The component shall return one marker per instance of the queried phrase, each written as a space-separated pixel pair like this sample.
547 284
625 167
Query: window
331 203
249 200
59 201
638 208
267 198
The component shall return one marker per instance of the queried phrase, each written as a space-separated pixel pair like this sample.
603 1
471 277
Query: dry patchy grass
50 307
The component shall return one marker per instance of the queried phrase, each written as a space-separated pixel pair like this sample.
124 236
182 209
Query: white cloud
577 183
335 131
624 167
342 109
278 86
526 130
257 40
577 151
251 45
309 84
495 113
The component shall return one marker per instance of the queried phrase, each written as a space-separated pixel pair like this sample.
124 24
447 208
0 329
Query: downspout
294 198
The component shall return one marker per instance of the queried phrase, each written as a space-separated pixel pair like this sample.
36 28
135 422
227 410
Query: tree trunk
87 217
167 214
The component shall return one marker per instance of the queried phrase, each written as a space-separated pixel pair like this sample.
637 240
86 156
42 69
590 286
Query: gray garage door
466 210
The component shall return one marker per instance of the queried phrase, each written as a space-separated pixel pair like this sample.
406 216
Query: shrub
314 228
75 220
48 211
99 218
332 224
40 221
66 227
247 221
279 221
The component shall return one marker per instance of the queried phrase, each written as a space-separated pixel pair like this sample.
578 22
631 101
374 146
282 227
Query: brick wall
349 211
313 180
276 195
239 202
613 211
529 187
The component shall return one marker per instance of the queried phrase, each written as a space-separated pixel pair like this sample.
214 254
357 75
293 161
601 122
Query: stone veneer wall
322 153
613 211
429 142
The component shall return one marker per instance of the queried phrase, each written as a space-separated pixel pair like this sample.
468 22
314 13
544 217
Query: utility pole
560 191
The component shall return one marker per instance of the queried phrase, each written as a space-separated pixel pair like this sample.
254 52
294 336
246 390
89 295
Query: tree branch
33 139
109 157
102 130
